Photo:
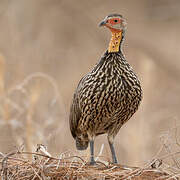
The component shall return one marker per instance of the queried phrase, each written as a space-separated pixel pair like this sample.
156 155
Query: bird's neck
115 42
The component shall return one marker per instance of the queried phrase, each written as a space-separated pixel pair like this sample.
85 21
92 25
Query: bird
107 96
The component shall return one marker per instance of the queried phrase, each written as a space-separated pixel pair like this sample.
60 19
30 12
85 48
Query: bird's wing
74 116
75 112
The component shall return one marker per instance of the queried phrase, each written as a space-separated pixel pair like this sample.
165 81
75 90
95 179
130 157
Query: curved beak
102 23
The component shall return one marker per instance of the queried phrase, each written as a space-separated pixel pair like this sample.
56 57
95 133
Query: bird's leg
92 161
111 145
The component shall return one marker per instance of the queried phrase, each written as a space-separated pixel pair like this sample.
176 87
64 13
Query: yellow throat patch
115 41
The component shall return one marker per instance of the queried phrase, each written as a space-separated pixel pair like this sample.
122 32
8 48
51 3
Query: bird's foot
92 162
113 164
115 161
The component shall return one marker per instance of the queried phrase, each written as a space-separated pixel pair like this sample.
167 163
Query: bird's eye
115 20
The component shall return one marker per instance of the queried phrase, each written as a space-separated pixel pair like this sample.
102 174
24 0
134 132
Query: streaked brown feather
106 97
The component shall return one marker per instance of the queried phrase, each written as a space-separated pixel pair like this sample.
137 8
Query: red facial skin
113 21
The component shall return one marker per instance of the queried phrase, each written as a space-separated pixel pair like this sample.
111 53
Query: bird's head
115 22
117 25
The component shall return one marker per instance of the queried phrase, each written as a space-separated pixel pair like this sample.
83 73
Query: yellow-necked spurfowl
106 97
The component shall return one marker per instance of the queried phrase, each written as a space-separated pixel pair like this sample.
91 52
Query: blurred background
46 46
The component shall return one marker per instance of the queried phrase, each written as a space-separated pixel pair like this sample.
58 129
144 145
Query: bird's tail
81 145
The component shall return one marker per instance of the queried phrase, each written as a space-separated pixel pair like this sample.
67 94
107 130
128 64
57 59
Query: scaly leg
92 161
111 145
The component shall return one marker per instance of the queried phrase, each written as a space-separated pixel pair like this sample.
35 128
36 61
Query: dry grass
15 165
61 40
28 105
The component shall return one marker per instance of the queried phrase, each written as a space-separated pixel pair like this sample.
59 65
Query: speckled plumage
105 99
